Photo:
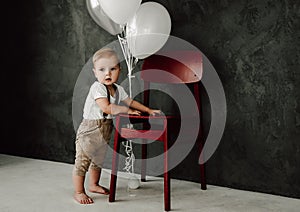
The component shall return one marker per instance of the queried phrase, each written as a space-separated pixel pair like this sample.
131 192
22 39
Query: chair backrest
173 67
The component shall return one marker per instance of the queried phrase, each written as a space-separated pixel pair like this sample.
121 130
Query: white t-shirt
91 110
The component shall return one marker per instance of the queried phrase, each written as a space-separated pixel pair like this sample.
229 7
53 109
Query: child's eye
113 69
101 69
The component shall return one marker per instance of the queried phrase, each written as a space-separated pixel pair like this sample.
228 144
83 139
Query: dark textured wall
253 45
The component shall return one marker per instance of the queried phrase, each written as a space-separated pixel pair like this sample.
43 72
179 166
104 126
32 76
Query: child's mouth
108 79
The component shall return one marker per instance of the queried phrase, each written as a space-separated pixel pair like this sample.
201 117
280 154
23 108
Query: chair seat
153 127
156 135
168 117
135 117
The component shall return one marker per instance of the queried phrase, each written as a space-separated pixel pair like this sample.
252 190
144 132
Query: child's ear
94 70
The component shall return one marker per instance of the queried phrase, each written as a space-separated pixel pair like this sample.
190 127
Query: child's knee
81 166
95 167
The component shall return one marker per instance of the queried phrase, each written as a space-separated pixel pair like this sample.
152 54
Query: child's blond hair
105 52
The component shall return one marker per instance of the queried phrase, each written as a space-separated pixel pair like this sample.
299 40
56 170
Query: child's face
107 70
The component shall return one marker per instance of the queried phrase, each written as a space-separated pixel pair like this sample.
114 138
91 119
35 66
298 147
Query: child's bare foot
82 198
99 189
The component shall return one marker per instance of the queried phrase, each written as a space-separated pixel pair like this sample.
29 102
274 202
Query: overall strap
108 97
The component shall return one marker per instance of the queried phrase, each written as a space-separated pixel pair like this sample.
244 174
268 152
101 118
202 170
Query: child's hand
134 112
152 112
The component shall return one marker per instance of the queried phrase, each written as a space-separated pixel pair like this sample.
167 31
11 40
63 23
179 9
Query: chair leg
167 191
144 164
202 169
114 170
200 138
202 177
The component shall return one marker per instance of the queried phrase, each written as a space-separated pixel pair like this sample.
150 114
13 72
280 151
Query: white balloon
101 18
142 46
120 11
148 30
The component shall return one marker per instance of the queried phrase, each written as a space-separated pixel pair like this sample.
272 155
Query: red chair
189 73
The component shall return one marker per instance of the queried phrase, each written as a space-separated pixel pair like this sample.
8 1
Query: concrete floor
29 185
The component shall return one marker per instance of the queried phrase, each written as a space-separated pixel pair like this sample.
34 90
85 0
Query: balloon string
131 63
123 44
129 161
